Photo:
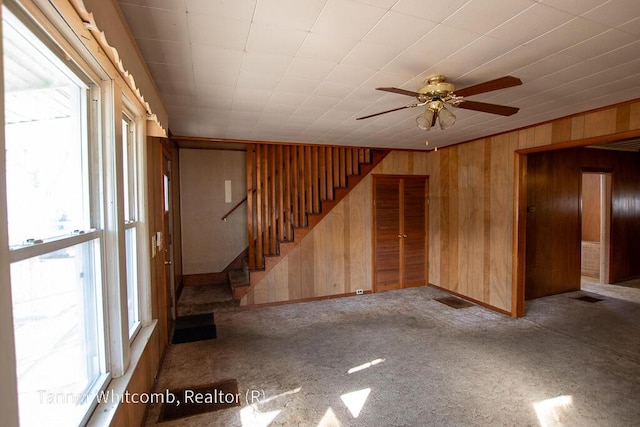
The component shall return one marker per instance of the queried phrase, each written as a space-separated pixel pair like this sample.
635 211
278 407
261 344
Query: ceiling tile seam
191 53
593 58
242 62
144 6
522 45
290 62
349 52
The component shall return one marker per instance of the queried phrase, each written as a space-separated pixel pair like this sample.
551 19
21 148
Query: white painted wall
208 243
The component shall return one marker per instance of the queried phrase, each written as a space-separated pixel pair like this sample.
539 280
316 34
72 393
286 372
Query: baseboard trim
204 278
216 277
475 301
301 300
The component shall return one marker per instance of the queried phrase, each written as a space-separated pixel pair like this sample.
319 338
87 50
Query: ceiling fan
437 92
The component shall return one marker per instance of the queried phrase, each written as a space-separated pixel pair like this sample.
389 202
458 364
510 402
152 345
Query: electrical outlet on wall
359 292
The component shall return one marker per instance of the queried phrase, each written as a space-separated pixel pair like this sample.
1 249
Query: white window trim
8 374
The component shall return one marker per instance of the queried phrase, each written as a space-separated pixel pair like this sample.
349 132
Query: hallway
403 358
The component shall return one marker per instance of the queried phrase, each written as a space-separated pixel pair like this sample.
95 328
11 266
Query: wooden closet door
400 238
386 232
413 245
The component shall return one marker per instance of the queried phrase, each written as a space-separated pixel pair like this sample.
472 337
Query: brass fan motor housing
436 87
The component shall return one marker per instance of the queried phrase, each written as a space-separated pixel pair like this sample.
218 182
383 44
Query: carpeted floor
198 299
403 359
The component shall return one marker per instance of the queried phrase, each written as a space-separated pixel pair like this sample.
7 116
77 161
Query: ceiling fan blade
502 110
388 111
499 83
399 91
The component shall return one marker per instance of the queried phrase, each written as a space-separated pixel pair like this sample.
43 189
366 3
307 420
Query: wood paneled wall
554 231
335 257
471 212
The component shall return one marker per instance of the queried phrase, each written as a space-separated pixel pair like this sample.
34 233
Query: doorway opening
595 209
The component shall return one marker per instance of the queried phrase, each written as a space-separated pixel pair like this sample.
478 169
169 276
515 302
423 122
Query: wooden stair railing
290 188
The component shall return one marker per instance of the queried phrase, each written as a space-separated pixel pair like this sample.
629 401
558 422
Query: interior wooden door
400 232
414 225
386 200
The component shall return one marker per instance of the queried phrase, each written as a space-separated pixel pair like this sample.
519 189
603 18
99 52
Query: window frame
92 146
109 97
133 114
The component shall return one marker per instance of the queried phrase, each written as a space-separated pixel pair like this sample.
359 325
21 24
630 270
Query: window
131 221
77 262
55 236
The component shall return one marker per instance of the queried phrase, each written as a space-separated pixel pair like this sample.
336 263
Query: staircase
290 188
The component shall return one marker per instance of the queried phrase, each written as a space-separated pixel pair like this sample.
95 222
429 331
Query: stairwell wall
208 243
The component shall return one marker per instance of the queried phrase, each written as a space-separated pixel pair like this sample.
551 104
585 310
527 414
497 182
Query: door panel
413 259
167 243
387 228
400 240
553 224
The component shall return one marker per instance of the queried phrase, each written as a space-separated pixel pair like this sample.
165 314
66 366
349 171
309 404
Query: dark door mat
183 322
197 327
189 401
588 298
454 302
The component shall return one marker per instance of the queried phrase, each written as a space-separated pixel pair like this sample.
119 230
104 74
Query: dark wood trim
596 140
519 235
186 138
232 210
475 301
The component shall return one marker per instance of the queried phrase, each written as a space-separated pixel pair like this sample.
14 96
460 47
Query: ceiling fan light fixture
425 119
446 118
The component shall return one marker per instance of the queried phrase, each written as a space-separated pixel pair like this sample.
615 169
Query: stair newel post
322 173
272 203
280 211
265 199
308 180
287 194
336 167
343 168
294 186
259 211
251 251
315 182
329 174
356 164
301 187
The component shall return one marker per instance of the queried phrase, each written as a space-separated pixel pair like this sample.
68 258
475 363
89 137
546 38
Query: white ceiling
303 70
